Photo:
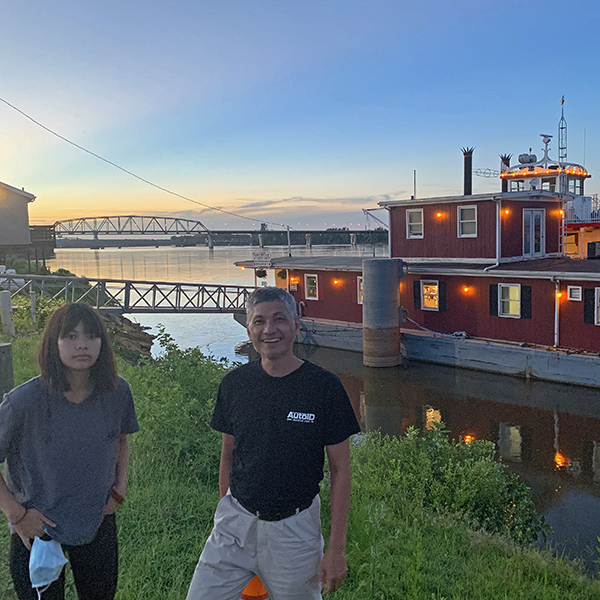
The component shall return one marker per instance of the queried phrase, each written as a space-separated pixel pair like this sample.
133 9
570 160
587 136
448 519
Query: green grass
430 519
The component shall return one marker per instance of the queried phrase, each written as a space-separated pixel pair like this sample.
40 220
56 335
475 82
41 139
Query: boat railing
583 209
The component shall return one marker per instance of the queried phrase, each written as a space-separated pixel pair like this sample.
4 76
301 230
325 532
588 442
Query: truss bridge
133 296
129 225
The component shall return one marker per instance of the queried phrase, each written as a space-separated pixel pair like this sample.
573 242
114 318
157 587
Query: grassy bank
430 519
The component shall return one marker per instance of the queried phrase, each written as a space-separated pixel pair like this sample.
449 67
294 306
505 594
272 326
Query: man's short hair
272 294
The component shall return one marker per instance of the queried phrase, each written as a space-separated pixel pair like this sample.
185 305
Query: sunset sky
294 112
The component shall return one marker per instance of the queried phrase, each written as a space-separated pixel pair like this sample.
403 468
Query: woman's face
79 350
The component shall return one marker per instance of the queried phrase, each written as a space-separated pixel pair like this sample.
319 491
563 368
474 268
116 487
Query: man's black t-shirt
281 426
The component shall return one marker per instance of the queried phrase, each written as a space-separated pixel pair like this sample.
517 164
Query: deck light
559 294
337 281
506 211
439 215
466 289
243 268
468 438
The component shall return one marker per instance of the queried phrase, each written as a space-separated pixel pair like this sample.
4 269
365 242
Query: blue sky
292 112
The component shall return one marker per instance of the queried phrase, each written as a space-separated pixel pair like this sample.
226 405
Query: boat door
534 232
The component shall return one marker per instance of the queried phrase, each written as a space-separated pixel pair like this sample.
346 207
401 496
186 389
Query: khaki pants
285 554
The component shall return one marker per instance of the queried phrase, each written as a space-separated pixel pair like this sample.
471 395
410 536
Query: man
277 416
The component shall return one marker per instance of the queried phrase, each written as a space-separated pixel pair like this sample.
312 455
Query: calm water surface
548 433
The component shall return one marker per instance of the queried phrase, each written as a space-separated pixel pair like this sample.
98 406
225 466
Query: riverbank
430 519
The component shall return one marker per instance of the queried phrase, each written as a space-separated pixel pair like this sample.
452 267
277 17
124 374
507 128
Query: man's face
272 330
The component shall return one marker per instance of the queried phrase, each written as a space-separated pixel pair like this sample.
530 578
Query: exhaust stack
468 179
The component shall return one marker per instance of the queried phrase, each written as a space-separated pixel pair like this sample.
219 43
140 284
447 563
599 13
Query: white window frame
460 221
306 296
425 282
597 307
359 290
413 236
508 285
574 293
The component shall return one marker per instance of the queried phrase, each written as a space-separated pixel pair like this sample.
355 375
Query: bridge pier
353 240
211 242
308 241
260 241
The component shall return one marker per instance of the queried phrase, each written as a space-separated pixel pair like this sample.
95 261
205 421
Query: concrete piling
381 312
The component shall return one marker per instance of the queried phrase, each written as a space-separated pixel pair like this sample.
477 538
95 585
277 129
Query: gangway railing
133 296
585 209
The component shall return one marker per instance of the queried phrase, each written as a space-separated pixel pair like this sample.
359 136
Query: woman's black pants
94 567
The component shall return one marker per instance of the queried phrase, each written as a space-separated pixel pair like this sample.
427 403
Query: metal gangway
133 296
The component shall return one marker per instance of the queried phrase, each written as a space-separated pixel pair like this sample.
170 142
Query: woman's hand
111 506
32 525
117 497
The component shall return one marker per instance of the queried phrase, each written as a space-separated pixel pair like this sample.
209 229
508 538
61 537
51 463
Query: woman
64 438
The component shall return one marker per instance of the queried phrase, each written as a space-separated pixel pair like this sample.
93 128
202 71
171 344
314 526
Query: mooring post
8 324
382 346
7 379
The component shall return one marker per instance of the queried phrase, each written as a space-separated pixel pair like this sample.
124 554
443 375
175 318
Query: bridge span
133 296
129 225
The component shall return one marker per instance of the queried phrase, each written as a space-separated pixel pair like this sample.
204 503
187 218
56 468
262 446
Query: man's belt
277 516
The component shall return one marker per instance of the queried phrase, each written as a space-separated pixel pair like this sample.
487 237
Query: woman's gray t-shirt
61 457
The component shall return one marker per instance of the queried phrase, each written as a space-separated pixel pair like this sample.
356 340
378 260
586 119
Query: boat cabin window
414 223
517 185
467 221
509 300
311 287
549 183
575 186
430 295
359 290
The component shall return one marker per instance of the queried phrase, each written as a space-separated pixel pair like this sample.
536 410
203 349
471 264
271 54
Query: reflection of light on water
432 417
560 460
509 442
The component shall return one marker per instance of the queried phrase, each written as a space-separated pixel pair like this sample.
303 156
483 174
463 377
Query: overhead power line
147 181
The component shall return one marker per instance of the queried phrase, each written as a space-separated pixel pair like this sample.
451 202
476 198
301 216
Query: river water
546 432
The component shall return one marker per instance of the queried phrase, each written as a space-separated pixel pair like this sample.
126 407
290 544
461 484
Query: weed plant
430 519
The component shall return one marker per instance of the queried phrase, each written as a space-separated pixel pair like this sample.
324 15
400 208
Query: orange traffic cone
255 590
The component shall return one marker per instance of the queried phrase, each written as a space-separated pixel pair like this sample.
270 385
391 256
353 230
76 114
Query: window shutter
442 295
589 299
494 299
417 294
525 302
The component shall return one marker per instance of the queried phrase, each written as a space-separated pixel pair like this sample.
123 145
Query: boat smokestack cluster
504 166
468 179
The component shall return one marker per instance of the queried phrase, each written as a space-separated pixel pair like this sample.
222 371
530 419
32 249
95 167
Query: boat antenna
562 134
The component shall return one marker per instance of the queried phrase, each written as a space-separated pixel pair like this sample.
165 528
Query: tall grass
430 519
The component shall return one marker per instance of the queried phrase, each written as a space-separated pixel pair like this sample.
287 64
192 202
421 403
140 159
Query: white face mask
46 563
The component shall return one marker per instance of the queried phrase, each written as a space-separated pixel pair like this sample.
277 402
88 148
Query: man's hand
334 569
32 525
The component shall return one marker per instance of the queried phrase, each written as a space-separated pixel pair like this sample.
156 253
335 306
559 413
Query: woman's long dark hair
103 373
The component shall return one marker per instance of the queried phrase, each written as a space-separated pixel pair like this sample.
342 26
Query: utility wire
158 187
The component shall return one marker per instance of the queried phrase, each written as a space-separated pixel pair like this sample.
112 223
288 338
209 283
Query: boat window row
466 219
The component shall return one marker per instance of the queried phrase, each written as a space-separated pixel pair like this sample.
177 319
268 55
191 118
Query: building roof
10 188
528 195
543 268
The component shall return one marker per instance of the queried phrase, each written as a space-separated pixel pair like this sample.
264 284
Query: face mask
46 563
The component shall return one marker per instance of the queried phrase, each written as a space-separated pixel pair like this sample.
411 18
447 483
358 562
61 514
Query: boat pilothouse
545 174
